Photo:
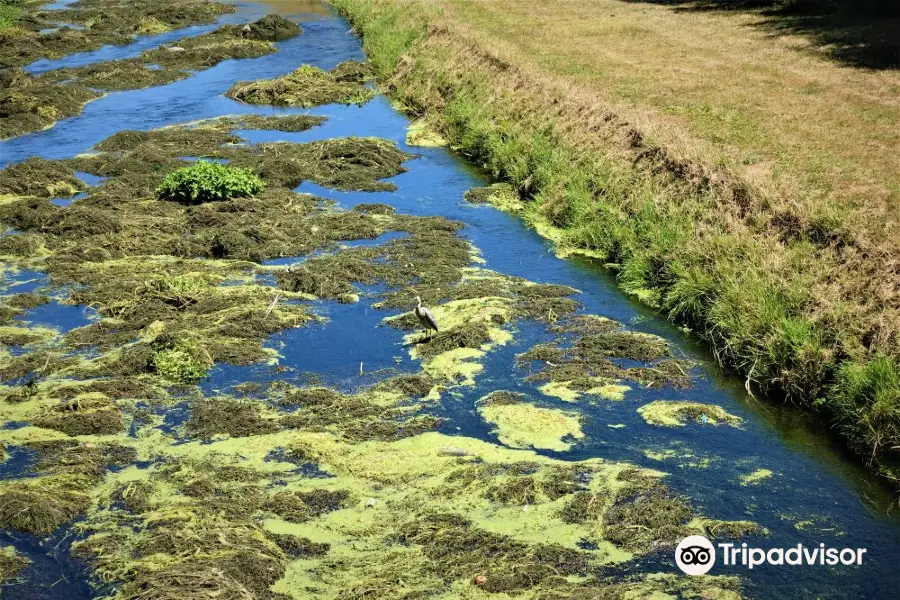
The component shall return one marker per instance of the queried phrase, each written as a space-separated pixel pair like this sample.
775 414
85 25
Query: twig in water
272 306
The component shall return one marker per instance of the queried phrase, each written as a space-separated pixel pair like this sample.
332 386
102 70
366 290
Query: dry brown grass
712 88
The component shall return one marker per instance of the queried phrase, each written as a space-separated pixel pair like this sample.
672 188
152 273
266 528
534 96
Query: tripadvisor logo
695 555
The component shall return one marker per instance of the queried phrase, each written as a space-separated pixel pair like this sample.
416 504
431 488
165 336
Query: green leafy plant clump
206 181
182 361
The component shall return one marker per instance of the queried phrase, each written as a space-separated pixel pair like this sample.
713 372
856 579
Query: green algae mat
221 503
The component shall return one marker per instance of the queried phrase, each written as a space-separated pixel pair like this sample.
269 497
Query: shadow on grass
858 33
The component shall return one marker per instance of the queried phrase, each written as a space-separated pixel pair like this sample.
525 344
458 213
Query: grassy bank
749 191
10 12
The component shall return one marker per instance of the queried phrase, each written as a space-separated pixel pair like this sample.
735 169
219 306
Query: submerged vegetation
773 238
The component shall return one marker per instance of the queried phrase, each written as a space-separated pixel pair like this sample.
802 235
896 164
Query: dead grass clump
222 416
271 28
644 516
68 457
586 325
547 309
348 164
519 483
145 159
41 504
456 549
501 195
36 363
356 417
541 352
291 123
307 86
32 105
26 300
584 507
20 245
202 142
40 177
136 496
714 529
11 564
471 334
501 398
299 547
588 363
299 507
675 373
377 208
389 429
86 414
28 213
80 221
478 195
201 53
176 581
622 344
412 386
312 397
117 75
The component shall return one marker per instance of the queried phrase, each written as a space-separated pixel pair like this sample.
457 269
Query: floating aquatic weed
112 76
349 164
224 416
26 336
290 123
756 476
42 504
219 507
29 104
372 415
181 361
419 385
40 177
588 366
180 141
502 195
308 86
675 414
422 133
33 103
520 424
269 28
11 564
86 414
299 547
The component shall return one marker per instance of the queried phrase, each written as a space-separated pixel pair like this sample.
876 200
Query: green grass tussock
759 286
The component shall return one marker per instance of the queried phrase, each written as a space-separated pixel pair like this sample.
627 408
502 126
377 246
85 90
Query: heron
425 317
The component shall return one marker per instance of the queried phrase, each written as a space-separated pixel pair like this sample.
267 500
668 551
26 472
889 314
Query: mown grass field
739 169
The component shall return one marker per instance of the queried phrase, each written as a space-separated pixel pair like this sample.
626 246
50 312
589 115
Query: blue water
814 480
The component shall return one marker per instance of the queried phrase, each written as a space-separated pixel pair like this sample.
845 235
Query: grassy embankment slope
744 183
